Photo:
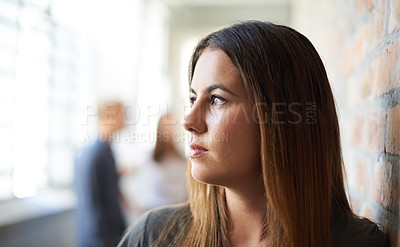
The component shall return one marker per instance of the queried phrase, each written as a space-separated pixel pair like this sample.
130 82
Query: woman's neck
246 210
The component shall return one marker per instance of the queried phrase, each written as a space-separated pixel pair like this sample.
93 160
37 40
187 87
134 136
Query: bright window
41 64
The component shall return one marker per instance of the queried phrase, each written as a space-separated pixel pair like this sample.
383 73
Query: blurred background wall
58 58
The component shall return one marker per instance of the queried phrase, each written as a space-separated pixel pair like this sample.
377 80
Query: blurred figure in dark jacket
99 216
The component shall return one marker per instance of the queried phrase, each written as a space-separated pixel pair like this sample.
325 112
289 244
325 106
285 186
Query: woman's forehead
215 67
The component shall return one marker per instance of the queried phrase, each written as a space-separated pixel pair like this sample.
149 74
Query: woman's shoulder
355 231
147 229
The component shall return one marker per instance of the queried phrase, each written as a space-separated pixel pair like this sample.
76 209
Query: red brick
377 24
356 205
348 62
398 187
384 189
375 131
363 5
357 133
356 52
368 212
348 169
389 195
386 70
393 142
371 4
377 183
366 84
394 20
360 43
334 43
365 40
360 5
363 180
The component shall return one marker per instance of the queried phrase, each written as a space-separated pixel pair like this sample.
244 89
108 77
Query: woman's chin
202 175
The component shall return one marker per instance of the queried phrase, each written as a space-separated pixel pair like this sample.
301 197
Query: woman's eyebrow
213 87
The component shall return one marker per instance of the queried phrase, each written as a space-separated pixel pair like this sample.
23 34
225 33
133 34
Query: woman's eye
192 100
216 100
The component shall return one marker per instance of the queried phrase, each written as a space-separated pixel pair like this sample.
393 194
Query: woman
171 165
265 162
159 177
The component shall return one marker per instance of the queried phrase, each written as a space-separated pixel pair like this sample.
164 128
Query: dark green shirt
353 232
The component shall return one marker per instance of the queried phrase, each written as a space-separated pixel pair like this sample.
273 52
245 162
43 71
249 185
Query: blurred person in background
171 162
160 178
99 218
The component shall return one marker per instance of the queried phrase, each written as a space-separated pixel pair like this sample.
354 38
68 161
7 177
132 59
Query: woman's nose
194 122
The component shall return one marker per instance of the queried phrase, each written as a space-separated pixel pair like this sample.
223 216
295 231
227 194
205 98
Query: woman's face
224 143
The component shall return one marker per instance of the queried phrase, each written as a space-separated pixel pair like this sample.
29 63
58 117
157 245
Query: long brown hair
301 156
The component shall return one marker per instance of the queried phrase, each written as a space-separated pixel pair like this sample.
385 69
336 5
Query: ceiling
231 3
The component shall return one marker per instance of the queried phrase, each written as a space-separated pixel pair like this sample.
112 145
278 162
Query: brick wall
359 41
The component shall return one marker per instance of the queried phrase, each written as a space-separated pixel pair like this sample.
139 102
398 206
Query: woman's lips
196 151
